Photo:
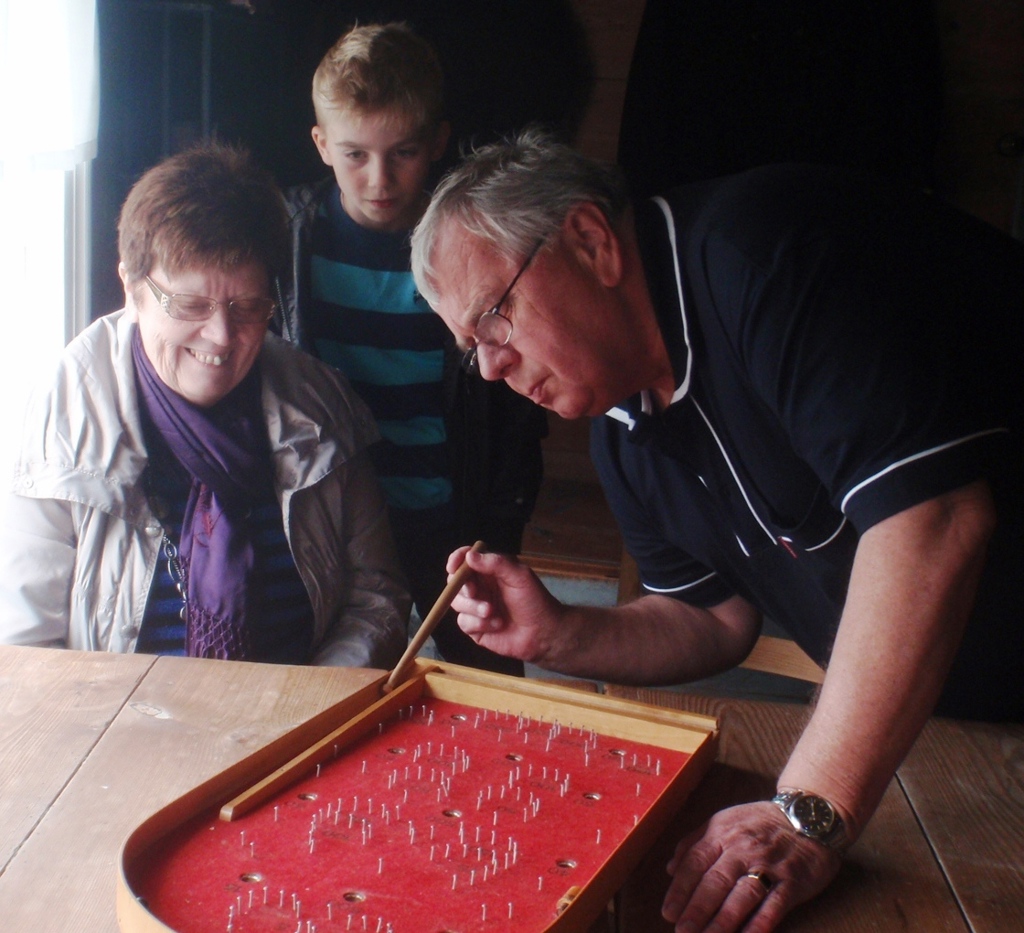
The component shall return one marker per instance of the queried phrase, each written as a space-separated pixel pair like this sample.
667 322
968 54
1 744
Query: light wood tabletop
944 851
91 744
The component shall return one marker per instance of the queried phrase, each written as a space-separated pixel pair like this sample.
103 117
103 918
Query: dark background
714 86
176 72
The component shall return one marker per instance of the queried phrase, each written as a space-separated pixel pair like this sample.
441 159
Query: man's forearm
910 595
652 640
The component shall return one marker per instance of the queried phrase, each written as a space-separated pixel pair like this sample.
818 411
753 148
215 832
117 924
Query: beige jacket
79 543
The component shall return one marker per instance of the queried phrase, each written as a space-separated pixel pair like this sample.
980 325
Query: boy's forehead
352 122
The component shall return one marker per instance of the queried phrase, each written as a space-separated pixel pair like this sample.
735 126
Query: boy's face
381 162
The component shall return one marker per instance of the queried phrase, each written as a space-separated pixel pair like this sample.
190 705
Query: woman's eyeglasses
197 308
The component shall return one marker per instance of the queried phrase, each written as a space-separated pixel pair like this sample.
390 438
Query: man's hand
652 640
712 886
504 607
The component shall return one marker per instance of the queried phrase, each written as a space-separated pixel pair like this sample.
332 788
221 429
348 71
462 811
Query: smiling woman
188 484
201 353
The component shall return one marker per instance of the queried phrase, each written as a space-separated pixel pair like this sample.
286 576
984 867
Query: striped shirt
368 320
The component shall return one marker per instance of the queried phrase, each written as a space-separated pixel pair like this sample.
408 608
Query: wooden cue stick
428 625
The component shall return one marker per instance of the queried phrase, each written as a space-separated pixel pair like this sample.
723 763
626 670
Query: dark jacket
493 434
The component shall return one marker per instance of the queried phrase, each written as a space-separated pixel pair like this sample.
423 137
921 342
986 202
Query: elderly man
801 389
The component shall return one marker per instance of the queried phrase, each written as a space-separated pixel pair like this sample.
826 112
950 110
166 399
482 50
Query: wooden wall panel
611 27
979 157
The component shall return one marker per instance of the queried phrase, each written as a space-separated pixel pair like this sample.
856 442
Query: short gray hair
514 194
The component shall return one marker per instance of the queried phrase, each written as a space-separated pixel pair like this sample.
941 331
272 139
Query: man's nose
495 363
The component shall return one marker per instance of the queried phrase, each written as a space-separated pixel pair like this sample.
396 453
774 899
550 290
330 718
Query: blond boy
460 459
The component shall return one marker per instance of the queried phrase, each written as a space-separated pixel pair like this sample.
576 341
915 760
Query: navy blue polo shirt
842 352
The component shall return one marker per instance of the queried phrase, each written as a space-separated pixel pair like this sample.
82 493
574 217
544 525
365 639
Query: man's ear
596 244
320 139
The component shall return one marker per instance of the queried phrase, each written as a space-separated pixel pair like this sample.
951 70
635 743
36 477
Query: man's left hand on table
746 868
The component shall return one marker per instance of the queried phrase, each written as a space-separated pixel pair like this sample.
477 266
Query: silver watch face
814 814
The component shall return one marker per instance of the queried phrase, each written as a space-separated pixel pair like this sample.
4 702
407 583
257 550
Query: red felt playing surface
446 818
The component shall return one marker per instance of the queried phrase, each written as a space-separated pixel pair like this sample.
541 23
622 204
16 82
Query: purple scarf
224 450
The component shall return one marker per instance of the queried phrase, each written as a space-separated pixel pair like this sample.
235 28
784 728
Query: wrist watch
813 817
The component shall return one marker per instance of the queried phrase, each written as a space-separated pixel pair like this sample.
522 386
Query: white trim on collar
670 222
623 414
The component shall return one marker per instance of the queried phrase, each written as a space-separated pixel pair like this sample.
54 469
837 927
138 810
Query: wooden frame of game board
248 783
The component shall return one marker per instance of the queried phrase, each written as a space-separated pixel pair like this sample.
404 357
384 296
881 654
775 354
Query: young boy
460 459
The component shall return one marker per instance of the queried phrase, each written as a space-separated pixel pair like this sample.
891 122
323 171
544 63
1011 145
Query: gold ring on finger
762 879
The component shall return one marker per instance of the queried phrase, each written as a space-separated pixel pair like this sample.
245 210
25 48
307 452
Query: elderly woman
190 484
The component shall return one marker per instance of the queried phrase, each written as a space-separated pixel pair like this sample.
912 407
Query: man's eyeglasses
494 329
197 308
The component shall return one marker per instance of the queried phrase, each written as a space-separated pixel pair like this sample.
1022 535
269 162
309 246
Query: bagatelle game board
461 802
